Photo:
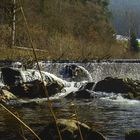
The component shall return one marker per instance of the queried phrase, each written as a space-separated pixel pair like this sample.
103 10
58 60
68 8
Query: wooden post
14 23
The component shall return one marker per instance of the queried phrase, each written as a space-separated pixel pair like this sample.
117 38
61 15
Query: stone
5 95
11 76
69 131
88 86
115 85
31 87
133 135
83 94
54 88
127 87
35 89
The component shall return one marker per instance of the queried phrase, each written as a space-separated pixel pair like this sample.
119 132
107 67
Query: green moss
133 135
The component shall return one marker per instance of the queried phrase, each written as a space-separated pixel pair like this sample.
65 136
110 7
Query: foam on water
118 99
67 90
96 71
99 71
87 73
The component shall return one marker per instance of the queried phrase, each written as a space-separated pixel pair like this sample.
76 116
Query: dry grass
19 54
69 48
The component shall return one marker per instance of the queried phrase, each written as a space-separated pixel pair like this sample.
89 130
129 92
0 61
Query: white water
87 73
109 113
118 99
98 71
94 71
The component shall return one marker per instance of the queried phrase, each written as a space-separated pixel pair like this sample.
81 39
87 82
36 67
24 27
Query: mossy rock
133 135
5 95
69 131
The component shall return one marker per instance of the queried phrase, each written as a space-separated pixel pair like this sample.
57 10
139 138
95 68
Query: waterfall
98 71
87 73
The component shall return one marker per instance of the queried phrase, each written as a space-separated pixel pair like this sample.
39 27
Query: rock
115 85
133 135
35 89
11 76
5 95
127 87
54 88
28 83
81 94
69 131
133 96
76 73
84 92
88 86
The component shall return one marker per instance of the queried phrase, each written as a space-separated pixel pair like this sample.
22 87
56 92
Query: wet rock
5 95
127 87
81 94
133 135
113 85
31 89
88 86
134 95
28 83
69 131
74 72
11 76
84 92
54 88
35 89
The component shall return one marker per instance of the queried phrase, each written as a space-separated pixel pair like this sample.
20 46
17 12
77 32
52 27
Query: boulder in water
84 92
133 135
115 85
5 95
55 87
81 94
74 72
127 87
88 86
28 83
11 76
69 131
35 89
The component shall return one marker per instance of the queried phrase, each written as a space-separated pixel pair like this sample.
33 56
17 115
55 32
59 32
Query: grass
7 53
70 48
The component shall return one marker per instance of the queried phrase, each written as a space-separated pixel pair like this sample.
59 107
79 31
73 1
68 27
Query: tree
134 43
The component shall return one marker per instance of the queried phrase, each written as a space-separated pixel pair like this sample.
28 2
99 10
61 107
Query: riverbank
118 50
19 54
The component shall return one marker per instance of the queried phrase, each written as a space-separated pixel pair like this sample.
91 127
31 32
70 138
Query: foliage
134 43
77 29
133 134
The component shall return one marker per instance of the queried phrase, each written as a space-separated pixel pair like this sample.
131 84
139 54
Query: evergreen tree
134 43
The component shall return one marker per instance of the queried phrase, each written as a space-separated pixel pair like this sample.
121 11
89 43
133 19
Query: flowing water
112 117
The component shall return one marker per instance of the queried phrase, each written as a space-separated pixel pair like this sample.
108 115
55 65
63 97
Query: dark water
111 117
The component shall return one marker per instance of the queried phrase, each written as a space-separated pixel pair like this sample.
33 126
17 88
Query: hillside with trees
126 16
67 29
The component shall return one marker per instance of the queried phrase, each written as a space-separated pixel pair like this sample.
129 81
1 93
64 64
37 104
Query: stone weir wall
9 63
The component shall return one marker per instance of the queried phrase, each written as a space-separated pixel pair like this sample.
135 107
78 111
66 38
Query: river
112 117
